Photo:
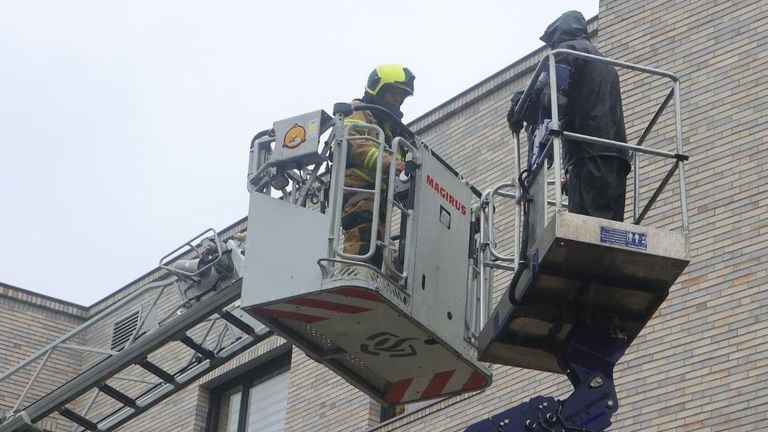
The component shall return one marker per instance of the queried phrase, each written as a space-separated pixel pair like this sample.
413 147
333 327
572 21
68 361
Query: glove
563 184
515 123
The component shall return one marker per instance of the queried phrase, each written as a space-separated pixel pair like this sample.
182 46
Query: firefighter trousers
356 220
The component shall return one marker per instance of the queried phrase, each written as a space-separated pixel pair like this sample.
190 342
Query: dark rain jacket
593 99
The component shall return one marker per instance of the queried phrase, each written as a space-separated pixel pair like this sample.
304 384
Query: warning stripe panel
352 301
437 384
397 390
288 315
287 307
357 293
327 305
475 381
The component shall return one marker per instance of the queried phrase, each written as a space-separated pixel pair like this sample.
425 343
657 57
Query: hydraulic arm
589 358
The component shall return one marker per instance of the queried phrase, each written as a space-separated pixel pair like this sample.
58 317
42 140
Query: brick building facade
701 362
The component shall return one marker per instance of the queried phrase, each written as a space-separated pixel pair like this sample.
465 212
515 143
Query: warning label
630 239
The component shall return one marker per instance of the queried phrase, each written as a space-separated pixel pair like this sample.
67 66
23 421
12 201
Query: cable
522 264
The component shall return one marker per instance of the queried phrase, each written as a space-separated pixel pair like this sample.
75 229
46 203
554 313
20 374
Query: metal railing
350 134
301 180
678 157
363 132
389 246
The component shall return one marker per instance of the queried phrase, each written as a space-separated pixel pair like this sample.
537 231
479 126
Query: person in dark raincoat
596 175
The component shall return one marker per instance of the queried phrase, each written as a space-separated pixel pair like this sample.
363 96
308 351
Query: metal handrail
261 144
388 246
190 243
339 167
673 95
487 234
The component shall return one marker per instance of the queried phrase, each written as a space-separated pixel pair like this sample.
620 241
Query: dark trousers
597 187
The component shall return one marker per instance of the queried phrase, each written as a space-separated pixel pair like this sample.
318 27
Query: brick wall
29 322
320 400
701 362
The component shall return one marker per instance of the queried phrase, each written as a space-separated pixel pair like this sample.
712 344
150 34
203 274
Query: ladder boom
215 304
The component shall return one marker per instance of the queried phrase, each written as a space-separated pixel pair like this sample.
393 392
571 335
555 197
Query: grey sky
125 125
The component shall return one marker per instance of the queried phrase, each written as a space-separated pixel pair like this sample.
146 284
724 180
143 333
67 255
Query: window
229 409
253 401
266 405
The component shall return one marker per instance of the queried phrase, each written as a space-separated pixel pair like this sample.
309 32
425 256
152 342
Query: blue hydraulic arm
589 358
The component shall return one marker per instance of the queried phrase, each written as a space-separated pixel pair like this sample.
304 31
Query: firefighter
596 175
388 86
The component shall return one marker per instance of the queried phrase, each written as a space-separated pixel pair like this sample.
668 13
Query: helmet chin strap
376 100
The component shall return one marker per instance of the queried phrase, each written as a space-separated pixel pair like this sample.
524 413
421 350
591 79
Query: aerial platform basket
584 272
359 325
579 277
397 332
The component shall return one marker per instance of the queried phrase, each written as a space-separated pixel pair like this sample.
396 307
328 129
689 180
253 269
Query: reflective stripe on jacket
362 154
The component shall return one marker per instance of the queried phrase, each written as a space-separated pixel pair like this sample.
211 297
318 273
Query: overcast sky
125 125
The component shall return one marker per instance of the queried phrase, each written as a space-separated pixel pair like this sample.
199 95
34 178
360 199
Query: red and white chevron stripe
440 383
324 306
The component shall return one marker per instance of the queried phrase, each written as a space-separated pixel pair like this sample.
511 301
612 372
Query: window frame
252 376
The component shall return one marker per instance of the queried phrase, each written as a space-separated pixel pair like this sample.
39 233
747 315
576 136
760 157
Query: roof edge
42 300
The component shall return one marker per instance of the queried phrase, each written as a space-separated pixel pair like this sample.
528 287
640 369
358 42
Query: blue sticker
630 239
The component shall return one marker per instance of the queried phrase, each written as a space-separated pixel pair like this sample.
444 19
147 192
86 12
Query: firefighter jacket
593 98
362 155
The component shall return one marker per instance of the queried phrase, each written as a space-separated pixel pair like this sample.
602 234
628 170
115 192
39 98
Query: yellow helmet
390 75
